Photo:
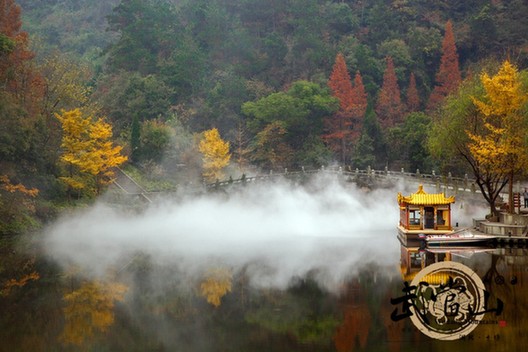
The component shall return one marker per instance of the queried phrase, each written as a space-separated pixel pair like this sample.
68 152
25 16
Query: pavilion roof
423 198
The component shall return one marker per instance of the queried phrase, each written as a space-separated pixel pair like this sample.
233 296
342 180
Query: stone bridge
462 187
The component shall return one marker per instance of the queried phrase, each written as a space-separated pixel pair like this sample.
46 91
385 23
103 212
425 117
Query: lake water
269 268
326 302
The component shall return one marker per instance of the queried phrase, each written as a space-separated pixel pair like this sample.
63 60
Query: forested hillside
286 83
179 93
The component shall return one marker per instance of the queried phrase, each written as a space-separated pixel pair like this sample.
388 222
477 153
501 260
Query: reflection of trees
90 309
492 273
29 319
393 329
354 330
302 312
504 280
216 284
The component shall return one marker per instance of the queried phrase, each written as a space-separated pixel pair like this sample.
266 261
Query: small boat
456 238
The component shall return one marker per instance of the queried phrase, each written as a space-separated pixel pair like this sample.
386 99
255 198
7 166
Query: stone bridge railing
369 176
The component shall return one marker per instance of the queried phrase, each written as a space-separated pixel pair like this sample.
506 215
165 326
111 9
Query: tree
339 126
448 77
155 138
241 146
126 95
270 149
314 153
215 154
19 78
359 106
66 83
502 148
364 152
301 112
6 45
340 83
389 107
458 118
147 31
87 148
413 100
409 142
17 206
135 142
376 140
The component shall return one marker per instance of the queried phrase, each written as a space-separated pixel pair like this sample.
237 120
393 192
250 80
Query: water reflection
155 307
502 272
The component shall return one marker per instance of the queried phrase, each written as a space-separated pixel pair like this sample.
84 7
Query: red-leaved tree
343 129
389 107
413 99
16 75
338 127
448 77
359 106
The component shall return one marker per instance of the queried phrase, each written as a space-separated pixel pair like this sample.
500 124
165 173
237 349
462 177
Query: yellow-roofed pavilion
425 213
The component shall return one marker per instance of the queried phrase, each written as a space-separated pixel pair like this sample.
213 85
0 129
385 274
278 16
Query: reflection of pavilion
414 259
424 213
503 273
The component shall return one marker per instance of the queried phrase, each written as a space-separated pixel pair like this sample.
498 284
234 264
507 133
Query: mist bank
280 230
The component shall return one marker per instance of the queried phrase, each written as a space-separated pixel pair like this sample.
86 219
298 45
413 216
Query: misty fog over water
290 229
313 265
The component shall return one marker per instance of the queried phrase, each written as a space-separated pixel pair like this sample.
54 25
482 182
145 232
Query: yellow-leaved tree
502 147
88 151
216 285
215 155
90 309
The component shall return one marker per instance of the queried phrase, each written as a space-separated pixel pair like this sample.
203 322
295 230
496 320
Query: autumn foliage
20 79
217 284
88 151
389 106
341 84
90 310
413 99
344 128
215 154
271 149
359 106
354 329
448 77
502 148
